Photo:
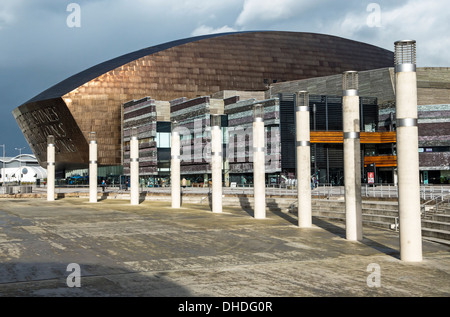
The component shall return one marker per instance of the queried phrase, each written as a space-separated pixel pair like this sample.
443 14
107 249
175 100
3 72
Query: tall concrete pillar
92 167
216 163
259 169
303 160
175 169
352 156
134 167
51 168
408 152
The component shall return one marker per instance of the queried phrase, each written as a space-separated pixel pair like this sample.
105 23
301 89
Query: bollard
259 174
134 167
175 167
92 167
352 156
408 152
50 168
216 163
303 160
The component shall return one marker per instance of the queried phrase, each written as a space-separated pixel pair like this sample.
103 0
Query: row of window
436 149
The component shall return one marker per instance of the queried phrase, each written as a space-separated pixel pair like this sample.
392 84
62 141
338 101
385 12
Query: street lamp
20 162
216 162
259 173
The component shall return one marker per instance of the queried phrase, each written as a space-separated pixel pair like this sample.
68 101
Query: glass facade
327 157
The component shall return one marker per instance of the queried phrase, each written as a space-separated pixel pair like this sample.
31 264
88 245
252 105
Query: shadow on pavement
340 232
95 280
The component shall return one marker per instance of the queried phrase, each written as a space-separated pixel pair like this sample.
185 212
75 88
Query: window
163 140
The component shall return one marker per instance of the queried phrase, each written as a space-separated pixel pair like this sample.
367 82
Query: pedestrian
103 185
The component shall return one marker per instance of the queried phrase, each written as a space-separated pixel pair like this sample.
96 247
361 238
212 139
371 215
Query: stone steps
435 227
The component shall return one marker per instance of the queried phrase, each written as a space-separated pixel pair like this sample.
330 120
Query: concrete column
303 160
216 163
50 168
408 152
259 169
134 168
352 157
175 169
92 167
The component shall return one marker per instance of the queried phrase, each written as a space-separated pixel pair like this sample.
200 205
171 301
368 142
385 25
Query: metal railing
431 194
433 204
16 189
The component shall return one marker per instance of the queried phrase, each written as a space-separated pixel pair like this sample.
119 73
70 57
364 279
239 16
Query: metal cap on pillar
405 56
173 125
51 140
134 133
350 83
302 101
215 120
92 137
258 112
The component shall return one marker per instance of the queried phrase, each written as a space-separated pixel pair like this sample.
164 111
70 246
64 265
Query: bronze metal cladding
188 68
37 120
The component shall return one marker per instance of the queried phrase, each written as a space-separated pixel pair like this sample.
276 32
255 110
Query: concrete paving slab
153 250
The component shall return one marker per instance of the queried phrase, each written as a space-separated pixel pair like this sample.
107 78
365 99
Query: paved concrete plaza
154 250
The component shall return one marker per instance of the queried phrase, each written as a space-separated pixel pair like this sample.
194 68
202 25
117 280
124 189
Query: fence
323 190
427 192
11 190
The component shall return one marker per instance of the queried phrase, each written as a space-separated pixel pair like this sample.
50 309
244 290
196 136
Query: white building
24 168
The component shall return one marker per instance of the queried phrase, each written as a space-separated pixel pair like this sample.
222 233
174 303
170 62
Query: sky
43 42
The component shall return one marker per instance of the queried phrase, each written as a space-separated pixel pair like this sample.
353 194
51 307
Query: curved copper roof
87 75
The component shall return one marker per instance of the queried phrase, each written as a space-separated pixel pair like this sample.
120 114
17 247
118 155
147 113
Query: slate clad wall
194 117
142 115
240 147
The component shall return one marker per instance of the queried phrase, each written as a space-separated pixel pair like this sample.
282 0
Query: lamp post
216 163
20 162
352 155
134 167
303 160
408 151
259 173
50 168
175 163
93 167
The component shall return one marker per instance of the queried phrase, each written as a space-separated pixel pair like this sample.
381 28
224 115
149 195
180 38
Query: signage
371 177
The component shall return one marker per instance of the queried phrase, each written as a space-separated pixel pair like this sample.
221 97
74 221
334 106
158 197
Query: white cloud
271 11
204 29
427 22
200 7
8 10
